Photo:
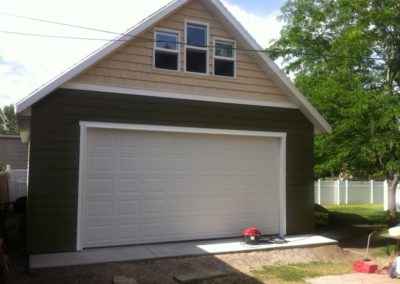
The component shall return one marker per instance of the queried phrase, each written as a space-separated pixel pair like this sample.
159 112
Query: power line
128 37
59 37
60 23
96 30
157 41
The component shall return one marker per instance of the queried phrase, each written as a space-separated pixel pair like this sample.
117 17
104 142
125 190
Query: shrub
321 216
2 167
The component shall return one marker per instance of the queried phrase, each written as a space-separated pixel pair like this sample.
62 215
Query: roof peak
320 124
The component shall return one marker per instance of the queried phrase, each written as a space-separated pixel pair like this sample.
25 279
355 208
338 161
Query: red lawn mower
253 236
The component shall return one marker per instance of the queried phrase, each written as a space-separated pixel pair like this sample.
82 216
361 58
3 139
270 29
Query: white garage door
151 186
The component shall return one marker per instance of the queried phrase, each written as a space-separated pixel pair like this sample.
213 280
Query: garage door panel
99 208
140 187
154 206
144 187
126 233
144 166
102 164
99 236
129 208
99 186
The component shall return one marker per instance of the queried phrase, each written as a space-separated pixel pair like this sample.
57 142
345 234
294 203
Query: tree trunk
392 186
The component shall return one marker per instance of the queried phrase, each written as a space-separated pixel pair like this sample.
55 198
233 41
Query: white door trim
84 125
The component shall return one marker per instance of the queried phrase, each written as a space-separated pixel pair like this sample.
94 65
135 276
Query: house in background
13 152
173 132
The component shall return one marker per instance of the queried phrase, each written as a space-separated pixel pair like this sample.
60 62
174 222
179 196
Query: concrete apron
168 250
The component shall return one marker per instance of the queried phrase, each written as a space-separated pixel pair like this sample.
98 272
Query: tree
8 121
345 57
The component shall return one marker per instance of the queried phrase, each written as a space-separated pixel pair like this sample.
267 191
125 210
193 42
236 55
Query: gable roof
283 82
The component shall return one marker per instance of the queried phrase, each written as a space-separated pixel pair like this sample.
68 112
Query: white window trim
207 49
232 59
85 125
178 51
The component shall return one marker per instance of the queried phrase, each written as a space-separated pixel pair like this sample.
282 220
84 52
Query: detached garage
161 139
145 183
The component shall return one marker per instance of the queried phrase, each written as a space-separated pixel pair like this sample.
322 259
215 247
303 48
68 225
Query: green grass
358 214
297 273
384 251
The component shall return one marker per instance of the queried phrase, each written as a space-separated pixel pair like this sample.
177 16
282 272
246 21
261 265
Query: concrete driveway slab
154 251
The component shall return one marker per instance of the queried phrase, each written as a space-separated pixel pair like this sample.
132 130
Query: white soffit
320 124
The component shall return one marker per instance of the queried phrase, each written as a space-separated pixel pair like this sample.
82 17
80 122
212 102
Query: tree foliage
8 121
345 57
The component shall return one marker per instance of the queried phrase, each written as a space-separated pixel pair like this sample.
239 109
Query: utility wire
96 30
59 37
160 41
128 38
122 35
60 23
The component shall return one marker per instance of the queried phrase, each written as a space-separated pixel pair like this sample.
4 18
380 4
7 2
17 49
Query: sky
27 62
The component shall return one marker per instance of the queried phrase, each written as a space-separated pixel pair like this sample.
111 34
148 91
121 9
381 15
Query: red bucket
365 266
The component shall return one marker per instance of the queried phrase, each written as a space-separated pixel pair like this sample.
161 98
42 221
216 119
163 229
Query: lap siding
54 149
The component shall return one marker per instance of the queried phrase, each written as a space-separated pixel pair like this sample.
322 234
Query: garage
147 184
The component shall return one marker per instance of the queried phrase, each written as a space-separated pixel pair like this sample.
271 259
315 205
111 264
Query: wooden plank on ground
199 276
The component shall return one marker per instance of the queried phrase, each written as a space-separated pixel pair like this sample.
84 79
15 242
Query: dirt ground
238 266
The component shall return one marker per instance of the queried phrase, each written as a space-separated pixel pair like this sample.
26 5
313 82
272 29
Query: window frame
231 59
177 51
193 47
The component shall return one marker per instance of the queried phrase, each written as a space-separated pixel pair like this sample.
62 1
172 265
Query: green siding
54 149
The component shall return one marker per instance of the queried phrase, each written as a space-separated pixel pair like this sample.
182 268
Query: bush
321 216
321 219
2 167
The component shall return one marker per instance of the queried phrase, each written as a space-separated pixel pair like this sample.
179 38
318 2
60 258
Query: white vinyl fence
17 184
329 192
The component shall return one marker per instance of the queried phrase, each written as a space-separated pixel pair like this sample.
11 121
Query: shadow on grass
352 224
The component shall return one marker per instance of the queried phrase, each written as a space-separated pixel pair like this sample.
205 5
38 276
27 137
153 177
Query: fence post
9 185
319 191
337 185
371 191
385 196
397 199
346 192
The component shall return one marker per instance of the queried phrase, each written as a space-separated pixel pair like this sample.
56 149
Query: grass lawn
357 214
339 217
297 273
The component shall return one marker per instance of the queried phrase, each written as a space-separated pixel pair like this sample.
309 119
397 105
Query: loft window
166 50
224 58
197 48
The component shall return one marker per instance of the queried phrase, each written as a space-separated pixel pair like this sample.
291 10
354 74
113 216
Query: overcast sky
28 62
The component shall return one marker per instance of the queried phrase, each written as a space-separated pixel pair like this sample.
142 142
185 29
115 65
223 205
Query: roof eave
100 53
319 122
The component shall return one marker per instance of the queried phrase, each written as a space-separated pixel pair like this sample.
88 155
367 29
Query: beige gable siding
131 66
